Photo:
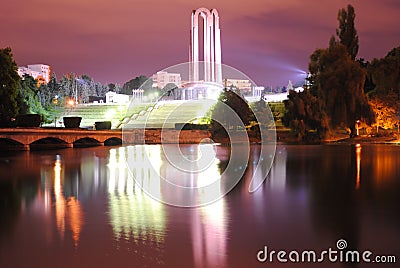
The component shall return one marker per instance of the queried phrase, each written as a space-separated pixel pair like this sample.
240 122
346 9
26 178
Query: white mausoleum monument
205 71
211 48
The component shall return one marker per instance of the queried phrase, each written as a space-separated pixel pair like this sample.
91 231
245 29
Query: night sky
114 41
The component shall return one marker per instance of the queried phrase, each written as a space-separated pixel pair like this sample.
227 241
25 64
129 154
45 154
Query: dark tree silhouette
339 82
346 32
9 80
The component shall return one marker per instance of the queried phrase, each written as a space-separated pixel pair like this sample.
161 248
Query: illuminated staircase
167 113
156 115
92 113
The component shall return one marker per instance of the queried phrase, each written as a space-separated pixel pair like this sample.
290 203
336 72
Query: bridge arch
49 140
10 143
86 141
113 141
47 143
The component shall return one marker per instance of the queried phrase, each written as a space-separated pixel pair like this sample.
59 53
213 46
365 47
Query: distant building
40 72
112 97
258 91
97 99
243 85
281 96
161 79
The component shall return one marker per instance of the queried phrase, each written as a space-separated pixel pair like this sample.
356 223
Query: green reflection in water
133 215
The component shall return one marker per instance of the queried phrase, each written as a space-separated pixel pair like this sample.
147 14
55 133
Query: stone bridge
65 137
26 137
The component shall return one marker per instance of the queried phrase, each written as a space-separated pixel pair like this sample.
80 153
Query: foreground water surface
82 208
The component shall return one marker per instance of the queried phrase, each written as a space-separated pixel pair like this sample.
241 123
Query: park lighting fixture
71 102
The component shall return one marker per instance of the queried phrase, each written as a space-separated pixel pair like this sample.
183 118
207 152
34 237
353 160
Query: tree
385 98
134 83
101 90
30 103
52 98
369 84
82 87
335 92
67 86
346 32
112 87
261 113
305 114
339 82
230 102
385 112
385 73
44 95
278 110
54 86
9 80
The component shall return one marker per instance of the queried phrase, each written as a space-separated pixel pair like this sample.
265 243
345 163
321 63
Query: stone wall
156 136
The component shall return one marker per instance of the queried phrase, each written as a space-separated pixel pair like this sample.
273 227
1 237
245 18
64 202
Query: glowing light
358 127
75 218
59 198
358 161
71 102
110 114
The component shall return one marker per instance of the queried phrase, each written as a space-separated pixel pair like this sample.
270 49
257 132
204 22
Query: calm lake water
81 208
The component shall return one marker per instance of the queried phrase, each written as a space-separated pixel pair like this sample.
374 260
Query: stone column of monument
217 42
211 46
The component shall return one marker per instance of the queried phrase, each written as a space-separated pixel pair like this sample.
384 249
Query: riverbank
287 136
369 139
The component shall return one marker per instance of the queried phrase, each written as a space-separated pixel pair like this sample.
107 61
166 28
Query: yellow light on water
358 163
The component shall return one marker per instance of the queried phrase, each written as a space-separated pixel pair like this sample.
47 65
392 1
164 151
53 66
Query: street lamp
71 103
358 126
55 102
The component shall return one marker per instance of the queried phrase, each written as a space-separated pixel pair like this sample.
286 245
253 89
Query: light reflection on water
210 235
76 207
177 176
133 215
138 217
67 210
52 201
